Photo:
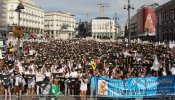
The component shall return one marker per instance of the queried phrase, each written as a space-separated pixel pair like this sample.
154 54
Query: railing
78 97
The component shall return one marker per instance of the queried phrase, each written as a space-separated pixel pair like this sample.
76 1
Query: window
174 13
163 18
11 17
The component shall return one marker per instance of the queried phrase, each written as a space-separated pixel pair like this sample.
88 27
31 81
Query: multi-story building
60 25
143 23
31 17
165 27
3 15
103 28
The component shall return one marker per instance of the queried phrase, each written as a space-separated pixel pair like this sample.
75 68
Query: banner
136 87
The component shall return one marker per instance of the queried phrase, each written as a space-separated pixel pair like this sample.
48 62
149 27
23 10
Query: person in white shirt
39 77
73 75
32 66
83 86
48 75
31 52
19 83
172 70
31 83
61 70
67 82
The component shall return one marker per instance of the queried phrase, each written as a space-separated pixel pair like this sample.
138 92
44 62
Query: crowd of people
65 66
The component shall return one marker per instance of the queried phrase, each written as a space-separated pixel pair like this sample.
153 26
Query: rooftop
102 18
29 2
60 12
166 5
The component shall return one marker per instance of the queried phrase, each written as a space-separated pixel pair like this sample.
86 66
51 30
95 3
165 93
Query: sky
80 8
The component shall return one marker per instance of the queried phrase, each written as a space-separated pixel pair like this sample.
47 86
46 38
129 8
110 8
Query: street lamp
18 30
129 7
18 9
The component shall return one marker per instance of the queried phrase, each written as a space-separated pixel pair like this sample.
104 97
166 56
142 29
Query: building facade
31 17
58 23
104 28
165 27
144 21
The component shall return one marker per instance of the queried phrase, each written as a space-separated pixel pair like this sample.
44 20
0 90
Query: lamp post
129 7
18 9
18 30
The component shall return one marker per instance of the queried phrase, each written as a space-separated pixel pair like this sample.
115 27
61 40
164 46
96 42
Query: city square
49 51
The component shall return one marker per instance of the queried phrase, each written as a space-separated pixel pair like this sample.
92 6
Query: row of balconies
33 15
33 21
167 29
60 20
58 26
3 15
27 20
3 7
167 22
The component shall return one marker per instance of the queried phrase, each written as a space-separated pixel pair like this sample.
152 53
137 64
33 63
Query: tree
83 30
64 26
18 32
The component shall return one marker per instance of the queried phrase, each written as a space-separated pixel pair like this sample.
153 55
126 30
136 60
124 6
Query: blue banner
136 87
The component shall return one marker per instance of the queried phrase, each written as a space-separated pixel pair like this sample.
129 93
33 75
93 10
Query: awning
33 35
45 36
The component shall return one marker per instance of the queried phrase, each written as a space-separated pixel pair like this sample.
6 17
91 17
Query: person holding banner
92 84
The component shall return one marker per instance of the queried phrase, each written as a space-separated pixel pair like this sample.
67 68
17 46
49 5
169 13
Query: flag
93 64
156 64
